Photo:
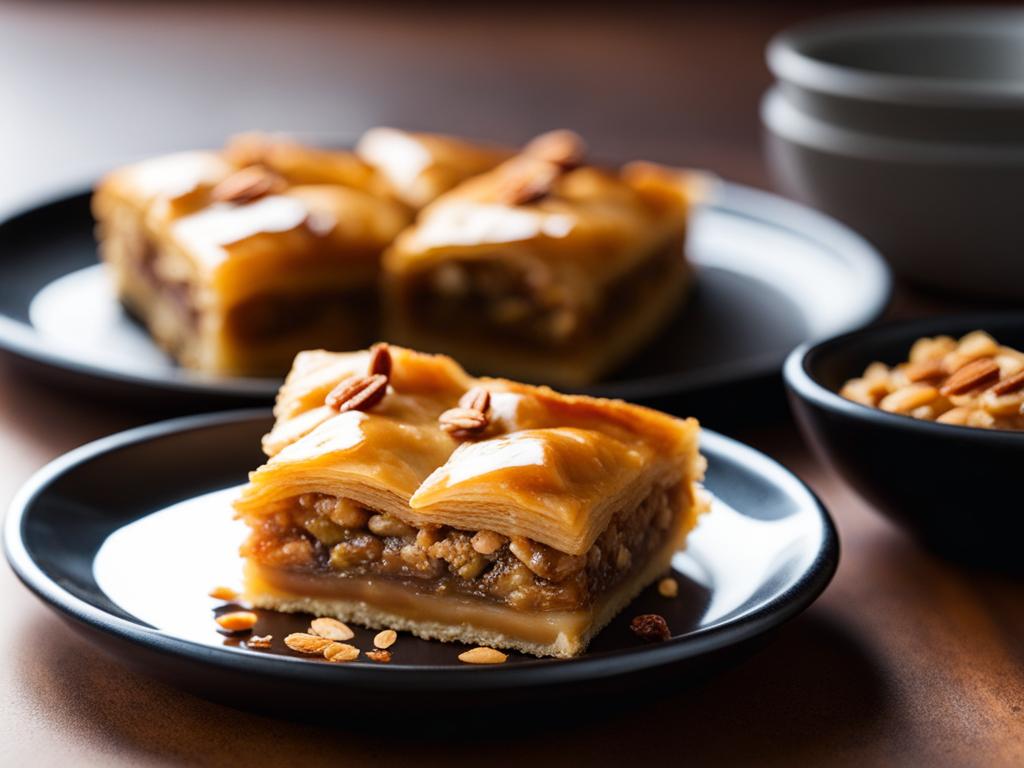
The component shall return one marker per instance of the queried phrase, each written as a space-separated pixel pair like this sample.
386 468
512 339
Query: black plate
126 535
772 274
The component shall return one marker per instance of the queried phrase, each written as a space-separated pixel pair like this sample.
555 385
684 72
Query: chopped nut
926 369
357 550
650 627
482 655
462 421
247 185
237 621
306 643
974 374
330 628
547 562
386 525
385 639
487 542
259 641
357 393
527 179
224 593
380 656
1009 384
380 360
340 652
564 148
429 534
476 399
668 587
907 399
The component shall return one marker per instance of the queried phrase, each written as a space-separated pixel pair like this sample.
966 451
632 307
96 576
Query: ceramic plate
126 536
771 274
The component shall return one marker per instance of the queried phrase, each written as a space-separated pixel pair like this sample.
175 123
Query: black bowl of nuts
924 420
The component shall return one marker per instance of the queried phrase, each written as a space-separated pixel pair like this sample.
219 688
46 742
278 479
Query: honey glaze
160 569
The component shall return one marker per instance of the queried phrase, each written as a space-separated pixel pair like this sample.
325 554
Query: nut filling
526 302
321 534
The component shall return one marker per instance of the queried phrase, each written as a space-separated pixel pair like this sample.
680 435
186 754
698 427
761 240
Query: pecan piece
247 185
563 148
650 627
380 360
462 421
1009 384
973 374
477 399
379 655
357 393
527 180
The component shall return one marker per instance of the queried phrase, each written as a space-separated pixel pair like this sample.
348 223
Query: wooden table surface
904 660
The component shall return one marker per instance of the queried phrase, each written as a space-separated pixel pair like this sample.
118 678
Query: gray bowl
909 126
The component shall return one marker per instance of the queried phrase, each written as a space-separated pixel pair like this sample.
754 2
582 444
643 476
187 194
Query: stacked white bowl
909 126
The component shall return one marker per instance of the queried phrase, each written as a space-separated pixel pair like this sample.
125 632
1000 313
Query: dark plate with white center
771 274
124 538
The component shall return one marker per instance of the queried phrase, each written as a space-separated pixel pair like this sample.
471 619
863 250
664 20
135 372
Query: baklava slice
402 493
544 268
234 268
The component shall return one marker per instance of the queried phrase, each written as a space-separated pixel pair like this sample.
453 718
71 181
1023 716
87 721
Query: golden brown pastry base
378 604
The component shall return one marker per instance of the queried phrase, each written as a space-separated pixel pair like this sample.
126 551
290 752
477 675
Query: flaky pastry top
594 222
548 466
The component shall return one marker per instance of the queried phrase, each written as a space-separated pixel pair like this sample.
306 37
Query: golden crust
550 467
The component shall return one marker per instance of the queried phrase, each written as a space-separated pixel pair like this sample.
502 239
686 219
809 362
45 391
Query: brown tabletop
904 660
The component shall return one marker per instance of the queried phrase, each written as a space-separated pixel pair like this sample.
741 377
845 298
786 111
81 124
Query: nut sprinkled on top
340 652
380 360
247 185
357 393
470 417
385 639
330 628
563 148
526 180
237 621
482 655
306 643
223 593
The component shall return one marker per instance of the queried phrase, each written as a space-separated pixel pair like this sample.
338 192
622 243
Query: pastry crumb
668 587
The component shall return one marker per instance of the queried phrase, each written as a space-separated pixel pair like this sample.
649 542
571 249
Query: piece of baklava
402 493
543 268
235 260
418 167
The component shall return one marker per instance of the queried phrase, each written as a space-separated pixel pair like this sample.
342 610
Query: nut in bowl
923 420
